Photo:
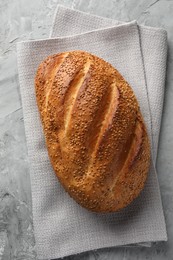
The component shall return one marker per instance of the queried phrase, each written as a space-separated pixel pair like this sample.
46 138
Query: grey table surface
29 19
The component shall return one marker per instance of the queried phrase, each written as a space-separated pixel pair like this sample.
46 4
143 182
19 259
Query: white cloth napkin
61 226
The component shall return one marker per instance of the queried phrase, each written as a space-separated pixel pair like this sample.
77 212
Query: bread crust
94 131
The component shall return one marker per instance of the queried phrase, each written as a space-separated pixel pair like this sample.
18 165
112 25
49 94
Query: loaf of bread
94 131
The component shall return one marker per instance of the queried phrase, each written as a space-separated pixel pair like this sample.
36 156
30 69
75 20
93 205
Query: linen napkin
61 226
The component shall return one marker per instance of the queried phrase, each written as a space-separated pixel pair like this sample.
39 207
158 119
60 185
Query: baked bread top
94 131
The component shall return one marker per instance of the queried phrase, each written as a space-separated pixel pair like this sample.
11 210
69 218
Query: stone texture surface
24 19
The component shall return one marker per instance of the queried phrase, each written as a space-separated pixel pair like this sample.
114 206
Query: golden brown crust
95 134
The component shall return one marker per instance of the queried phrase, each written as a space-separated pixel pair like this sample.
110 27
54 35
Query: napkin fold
61 226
